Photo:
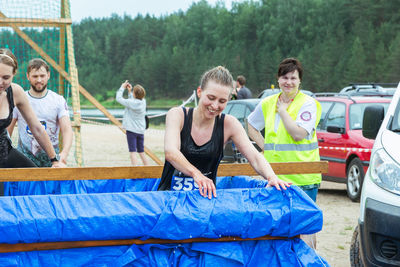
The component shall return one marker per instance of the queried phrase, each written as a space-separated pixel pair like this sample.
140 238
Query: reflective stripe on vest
291 147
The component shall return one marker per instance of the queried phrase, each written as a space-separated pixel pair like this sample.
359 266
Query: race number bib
183 184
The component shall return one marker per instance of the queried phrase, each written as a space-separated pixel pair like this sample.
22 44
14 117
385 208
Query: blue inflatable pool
131 209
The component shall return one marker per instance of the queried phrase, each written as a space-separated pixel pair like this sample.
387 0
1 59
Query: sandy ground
105 145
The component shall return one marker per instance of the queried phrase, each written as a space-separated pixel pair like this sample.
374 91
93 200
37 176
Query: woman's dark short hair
241 79
288 65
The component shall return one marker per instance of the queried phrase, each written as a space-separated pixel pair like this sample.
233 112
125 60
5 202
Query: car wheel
355 257
355 178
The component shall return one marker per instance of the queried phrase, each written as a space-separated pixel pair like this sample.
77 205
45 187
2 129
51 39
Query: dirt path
106 146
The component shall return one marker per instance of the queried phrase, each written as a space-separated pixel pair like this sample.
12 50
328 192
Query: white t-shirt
49 109
135 110
305 118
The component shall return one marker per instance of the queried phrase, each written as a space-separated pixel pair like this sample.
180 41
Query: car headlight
385 172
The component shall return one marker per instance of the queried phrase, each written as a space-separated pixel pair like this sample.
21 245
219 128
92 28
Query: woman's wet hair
220 75
139 91
288 65
8 58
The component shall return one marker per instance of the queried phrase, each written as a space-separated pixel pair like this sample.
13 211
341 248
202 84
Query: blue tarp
241 212
112 186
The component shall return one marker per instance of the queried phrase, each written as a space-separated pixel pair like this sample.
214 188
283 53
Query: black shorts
135 142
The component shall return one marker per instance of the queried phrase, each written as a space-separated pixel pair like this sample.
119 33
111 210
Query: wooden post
61 61
76 108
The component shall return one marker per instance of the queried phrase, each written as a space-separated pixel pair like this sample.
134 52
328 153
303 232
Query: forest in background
337 41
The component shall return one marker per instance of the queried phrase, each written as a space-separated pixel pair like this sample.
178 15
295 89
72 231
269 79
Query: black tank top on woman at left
206 157
5 142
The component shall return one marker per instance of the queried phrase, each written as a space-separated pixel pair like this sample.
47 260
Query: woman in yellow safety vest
290 119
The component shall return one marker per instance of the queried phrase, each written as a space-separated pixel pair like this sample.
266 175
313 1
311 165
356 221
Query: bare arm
21 101
67 135
172 145
238 135
10 128
296 132
256 136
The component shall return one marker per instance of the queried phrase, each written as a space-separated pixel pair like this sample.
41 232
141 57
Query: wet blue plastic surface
242 212
110 186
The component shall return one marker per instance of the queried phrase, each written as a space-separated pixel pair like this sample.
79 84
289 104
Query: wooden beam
100 173
29 22
61 60
21 247
74 81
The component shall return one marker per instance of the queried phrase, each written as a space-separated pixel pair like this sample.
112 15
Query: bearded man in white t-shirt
51 110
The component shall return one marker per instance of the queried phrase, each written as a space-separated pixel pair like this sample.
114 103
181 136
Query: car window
336 116
227 108
268 92
238 111
325 106
247 112
395 125
356 113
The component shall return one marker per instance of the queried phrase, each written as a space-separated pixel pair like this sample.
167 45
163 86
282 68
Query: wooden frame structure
64 23
94 173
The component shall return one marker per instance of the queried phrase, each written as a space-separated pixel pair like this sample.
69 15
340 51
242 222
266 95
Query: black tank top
206 158
5 142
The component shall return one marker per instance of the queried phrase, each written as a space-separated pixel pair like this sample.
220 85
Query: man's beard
39 90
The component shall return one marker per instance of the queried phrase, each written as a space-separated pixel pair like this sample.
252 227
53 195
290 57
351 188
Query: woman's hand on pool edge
275 181
206 186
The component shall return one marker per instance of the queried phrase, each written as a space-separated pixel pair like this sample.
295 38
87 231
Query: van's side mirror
372 120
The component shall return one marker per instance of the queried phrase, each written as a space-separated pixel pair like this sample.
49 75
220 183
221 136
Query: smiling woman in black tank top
194 139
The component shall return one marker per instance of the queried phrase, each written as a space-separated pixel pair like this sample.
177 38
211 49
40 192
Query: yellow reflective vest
279 146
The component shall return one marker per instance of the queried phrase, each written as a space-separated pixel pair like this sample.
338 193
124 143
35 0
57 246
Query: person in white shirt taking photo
134 119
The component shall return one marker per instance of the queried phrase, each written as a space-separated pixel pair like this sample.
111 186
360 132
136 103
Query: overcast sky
104 8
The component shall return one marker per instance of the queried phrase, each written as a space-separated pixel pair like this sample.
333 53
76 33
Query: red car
340 138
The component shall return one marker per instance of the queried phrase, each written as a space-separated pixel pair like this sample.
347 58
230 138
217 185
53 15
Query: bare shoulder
230 120
231 124
174 111
174 117
16 88
18 92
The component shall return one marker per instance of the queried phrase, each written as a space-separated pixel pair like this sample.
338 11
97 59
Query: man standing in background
241 92
52 112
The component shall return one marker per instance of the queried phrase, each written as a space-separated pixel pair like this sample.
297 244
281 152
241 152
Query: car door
331 143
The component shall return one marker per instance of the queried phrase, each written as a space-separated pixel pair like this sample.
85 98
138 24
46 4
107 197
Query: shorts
135 142
311 190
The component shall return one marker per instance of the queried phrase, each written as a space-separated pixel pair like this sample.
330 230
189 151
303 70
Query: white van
376 239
